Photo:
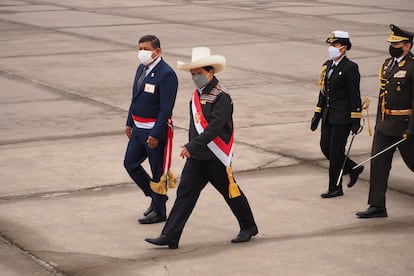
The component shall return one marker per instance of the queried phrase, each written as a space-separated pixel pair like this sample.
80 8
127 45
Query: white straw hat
201 57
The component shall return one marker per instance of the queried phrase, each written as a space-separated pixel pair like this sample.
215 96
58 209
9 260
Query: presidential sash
222 150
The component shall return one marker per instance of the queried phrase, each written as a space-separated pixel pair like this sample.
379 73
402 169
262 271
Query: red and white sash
168 148
222 150
145 123
148 123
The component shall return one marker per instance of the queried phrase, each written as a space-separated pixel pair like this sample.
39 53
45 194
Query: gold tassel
322 79
160 187
172 180
233 188
365 105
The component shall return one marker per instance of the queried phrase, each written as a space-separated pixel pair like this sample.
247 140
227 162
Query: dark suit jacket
340 103
154 98
399 85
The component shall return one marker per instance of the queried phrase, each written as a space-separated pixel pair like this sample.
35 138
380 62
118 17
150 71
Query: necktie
331 71
141 77
393 64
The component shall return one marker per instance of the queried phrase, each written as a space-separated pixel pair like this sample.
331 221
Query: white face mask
334 52
145 56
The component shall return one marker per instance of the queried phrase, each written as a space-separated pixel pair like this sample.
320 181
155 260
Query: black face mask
395 52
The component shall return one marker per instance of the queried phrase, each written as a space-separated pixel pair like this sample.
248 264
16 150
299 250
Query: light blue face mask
200 80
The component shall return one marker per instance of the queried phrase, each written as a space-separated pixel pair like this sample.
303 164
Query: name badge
400 74
149 88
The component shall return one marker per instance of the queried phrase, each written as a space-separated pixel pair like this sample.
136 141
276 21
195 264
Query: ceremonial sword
379 153
346 157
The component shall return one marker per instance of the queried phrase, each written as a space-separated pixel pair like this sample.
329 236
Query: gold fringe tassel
365 105
322 79
172 180
161 186
233 188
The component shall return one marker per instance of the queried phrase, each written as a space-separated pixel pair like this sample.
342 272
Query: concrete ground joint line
270 162
61 137
66 53
364 6
270 151
272 124
314 163
42 263
354 228
61 30
49 194
57 89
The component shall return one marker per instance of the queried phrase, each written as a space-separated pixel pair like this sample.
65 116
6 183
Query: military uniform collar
336 63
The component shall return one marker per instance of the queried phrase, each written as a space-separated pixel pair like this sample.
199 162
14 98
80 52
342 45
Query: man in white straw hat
208 152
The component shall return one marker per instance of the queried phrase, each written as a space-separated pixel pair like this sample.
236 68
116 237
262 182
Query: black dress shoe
330 194
354 174
152 217
164 240
373 212
149 209
245 235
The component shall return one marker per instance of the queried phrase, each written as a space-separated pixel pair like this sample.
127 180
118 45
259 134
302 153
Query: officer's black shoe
330 194
152 217
163 240
149 209
245 235
354 174
373 212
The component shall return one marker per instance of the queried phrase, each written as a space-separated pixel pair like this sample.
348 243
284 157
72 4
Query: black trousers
381 165
333 142
194 177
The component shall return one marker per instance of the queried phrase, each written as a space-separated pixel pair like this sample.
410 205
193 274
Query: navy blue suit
153 99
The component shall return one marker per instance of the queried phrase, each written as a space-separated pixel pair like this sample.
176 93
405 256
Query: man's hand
128 131
184 152
409 134
152 142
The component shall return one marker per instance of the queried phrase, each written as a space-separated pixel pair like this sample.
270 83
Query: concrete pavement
69 208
